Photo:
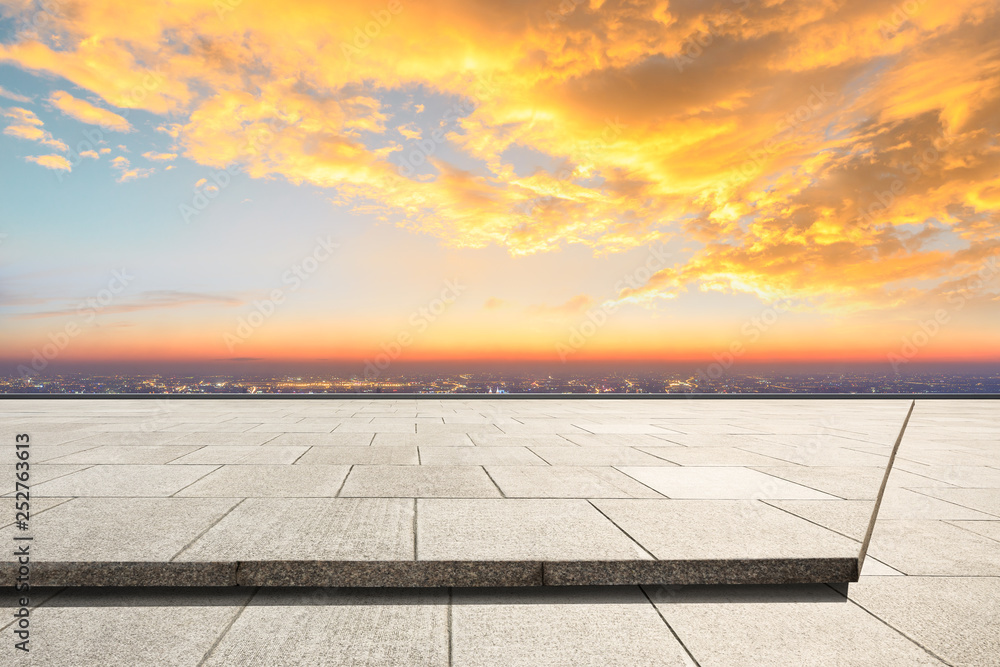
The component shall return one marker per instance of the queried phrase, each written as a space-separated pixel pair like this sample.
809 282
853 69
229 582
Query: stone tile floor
929 592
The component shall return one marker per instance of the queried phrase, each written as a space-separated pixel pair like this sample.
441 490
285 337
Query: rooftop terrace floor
504 532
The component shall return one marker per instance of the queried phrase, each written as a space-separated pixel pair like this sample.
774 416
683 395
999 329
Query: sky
386 182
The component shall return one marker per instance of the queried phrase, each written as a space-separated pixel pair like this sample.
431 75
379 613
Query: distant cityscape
514 382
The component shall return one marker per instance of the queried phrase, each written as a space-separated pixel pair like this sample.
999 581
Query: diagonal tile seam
884 622
624 532
229 626
797 516
881 490
84 468
33 512
952 522
304 452
916 489
802 484
344 481
502 494
639 481
670 627
776 458
210 527
174 494
32 609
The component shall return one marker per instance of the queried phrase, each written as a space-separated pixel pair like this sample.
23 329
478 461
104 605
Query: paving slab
567 482
108 454
597 456
323 439
507 456
523 440
345 529
268 481
387 455
378 481
339 627
245 455
710 456
557 627
423 439
132 628
122 480
515 529
786 625
983 500
721 529
718 483
990 529
934 548
957 618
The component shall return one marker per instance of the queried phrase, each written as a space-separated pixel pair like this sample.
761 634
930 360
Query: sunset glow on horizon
501 182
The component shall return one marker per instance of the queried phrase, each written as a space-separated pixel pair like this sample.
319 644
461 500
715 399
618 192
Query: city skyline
538 183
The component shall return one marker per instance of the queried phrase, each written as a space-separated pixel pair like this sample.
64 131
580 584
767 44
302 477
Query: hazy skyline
525 182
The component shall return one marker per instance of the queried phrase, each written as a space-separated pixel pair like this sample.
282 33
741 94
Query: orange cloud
85 112
57 162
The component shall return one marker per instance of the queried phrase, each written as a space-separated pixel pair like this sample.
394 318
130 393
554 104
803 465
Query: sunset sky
573 180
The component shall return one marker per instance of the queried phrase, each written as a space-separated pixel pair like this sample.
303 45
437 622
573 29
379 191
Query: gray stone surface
248 481
514 529
245 455
123 481
486 455
423 440
571 627
719 483
983 500
934 548
957 618
345 529
127 454
87 628
376 481
689 529
567 482
990 529
386 455
121 529
597 456
789 625
710 456
338 627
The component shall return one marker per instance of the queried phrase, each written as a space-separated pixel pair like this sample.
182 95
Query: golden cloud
57 162
85 112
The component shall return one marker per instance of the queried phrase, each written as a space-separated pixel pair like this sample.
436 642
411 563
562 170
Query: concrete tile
556 626
224 439
122 529
109 454
597 456
8 507
849 482
542 426
934 548
515 529
709 427
718 483
39 473
323 439
300 427
479 456
368 427
990 529
422 440
688 529
131 439
371 627
847 517
525 440
793 625
819 454
147 481
983 500
971 477
627 427
876 568
443 429
268 481
957 618
310 529
898 503
710 456
567 482
132 627
387 455
245 455
224 427
376 481
45 453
